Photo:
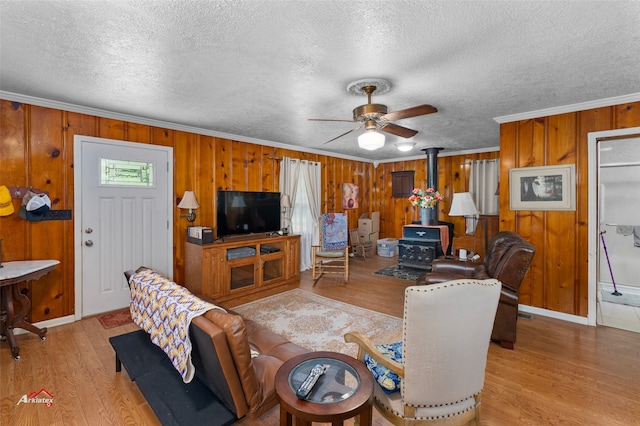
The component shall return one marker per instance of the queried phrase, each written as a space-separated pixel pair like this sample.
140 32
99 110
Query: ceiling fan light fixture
357 87
371 140
405 146
376 116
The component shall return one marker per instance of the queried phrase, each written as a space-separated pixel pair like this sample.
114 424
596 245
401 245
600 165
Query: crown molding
63 106
47 103
443 153
633 97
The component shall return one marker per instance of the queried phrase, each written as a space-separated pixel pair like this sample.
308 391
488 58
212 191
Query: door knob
88 243
88 230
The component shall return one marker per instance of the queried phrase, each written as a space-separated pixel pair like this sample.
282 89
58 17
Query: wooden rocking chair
332 255
360 248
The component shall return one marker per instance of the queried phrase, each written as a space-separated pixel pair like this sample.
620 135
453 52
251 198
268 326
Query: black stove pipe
432 172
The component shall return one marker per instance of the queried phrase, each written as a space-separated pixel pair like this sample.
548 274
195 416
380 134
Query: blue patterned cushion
388 380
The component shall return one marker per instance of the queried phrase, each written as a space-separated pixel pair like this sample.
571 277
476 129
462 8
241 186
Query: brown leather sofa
238 359
508 259
222 356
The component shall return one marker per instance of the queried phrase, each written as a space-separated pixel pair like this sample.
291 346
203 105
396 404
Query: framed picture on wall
543 188
402 183
349 196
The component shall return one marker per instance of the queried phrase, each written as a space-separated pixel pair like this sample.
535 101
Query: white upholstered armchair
446 334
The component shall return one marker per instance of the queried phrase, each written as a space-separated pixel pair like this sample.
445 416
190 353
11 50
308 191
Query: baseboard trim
627 295
554 314
523 308
630 290
48 323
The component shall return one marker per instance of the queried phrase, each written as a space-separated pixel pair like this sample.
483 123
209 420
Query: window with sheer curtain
301 181
483 185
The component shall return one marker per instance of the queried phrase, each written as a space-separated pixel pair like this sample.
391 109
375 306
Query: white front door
123 218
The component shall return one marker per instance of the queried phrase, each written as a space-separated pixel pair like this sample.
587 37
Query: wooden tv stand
241 265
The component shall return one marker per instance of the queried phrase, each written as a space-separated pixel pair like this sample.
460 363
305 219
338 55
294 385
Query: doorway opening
614 274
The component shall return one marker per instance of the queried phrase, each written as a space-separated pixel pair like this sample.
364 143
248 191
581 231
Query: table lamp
463 205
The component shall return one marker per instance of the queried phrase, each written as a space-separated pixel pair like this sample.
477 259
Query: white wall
619 205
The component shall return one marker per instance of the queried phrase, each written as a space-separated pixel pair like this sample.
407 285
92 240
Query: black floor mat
404 273
173 401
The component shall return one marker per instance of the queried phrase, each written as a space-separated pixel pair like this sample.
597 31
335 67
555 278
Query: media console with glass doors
242 265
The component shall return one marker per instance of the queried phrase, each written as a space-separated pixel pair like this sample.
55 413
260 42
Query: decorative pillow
387 379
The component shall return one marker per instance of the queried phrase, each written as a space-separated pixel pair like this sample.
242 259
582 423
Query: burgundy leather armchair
508 259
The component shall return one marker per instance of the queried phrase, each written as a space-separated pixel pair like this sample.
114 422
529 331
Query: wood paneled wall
453 176
558 277
36 149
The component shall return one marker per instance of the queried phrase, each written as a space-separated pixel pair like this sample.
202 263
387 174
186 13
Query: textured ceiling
260 69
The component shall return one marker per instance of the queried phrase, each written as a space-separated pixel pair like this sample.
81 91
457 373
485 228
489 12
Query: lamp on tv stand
285 203
463 205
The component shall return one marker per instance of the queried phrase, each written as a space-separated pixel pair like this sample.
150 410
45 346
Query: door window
126 173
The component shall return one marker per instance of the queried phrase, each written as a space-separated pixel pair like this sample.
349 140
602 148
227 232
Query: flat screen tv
244 212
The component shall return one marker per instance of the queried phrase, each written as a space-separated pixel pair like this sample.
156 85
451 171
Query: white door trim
77 202
593 229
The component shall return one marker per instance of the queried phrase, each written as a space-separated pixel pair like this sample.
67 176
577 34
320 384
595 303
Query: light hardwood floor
559 372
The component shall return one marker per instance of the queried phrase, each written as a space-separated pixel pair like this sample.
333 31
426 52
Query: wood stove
421 244
418 247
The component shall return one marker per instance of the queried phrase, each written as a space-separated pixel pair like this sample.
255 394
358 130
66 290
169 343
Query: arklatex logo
40 397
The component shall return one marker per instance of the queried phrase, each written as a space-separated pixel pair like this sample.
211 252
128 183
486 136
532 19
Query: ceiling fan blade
394 129
345 133
409 112
329 119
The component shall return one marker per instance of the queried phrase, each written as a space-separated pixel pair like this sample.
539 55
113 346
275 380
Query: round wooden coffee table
343 391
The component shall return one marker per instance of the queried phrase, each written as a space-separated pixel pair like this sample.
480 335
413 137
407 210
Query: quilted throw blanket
165 309
334 231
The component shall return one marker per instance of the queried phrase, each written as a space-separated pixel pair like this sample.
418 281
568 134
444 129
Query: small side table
12 274
343 391
467 262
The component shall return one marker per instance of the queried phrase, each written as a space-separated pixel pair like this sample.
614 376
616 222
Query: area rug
115 318
318 323
405 273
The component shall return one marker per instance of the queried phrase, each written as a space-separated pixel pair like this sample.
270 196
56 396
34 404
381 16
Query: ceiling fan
375 116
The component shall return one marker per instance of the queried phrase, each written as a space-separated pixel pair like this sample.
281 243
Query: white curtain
313 182
288 180
301 181
483 185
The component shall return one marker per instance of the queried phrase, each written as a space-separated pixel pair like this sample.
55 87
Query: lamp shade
285 202
463 205
371 140
189 201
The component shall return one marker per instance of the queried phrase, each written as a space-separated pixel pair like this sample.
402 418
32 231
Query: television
245 212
